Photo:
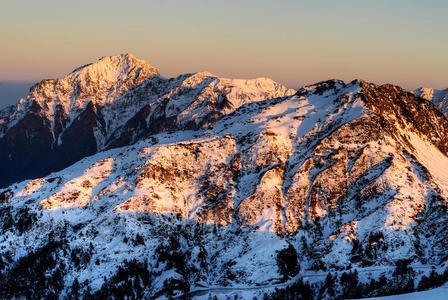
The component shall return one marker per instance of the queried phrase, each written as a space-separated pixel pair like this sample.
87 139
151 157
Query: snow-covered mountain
112 102
438 97
230 188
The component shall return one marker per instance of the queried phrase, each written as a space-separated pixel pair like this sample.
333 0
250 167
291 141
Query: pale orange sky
294 42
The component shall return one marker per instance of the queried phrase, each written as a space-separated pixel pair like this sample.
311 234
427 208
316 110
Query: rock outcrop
225 184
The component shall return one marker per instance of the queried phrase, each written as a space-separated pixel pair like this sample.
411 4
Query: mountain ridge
337 189
112 103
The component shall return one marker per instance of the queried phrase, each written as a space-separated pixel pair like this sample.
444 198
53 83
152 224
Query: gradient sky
404 42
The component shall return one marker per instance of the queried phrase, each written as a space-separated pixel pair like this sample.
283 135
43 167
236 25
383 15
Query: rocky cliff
230 187
112 102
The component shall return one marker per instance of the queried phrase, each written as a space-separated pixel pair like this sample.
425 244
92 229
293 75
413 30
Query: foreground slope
112 102
336 176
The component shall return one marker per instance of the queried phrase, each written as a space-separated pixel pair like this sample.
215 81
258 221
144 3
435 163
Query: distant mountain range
438 97
132 184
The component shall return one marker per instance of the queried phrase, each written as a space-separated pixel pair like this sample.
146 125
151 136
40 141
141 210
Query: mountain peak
100 81
425 93
321 87
115 67
124 60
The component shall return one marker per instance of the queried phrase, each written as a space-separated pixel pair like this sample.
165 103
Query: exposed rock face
113 102
334 175
57 124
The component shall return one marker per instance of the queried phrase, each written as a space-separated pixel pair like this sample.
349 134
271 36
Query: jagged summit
123 60
100 81
323 86
117 68
425 92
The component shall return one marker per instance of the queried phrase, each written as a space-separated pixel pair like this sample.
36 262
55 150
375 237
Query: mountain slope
112 102
336 175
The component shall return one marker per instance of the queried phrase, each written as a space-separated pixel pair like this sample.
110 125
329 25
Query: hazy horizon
12 91
292 42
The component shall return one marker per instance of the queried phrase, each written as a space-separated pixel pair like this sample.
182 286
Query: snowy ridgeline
113 102
338 190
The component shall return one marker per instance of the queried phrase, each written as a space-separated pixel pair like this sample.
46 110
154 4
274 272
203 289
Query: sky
403 42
